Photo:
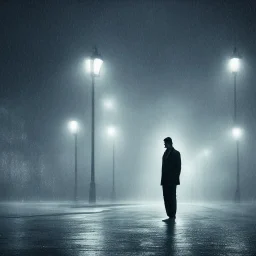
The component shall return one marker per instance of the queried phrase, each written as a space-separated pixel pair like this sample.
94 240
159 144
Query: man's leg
172 201
166 195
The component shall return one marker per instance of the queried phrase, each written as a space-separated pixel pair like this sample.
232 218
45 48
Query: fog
166 68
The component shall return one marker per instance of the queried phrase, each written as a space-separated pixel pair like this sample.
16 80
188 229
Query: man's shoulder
176 151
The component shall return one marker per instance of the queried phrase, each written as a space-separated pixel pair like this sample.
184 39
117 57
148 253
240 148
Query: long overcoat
171 167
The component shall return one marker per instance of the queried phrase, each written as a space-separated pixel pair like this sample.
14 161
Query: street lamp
206 154
108 104
94 64
237 133
112 133
234 65
73 127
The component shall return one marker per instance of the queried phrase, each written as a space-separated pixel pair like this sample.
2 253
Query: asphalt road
136 229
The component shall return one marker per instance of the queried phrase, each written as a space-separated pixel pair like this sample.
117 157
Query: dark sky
165 64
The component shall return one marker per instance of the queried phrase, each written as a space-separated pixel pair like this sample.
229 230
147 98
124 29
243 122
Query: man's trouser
170 201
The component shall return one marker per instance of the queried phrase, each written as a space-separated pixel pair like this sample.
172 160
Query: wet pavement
136 229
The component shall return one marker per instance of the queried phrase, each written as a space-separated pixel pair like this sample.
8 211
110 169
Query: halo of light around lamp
111 131
237 133
94 63
73 127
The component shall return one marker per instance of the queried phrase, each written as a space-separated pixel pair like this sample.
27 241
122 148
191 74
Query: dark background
165 65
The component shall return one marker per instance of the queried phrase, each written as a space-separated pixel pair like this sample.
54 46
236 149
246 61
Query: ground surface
62 229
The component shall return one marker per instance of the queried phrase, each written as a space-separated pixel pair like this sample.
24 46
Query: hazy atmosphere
166 71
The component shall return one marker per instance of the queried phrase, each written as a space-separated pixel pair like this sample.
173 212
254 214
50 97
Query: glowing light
94 63
108 104
73 127
111 131
206 152
237 133
234 64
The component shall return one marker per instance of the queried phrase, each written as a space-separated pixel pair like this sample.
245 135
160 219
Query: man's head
168 143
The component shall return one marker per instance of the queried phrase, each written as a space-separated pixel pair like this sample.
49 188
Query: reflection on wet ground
132 230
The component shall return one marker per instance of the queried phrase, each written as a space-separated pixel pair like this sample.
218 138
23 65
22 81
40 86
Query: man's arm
178 163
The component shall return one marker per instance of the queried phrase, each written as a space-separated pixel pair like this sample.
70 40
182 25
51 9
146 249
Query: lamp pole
75 194
74 127
112 134
237 193
234 64
94 66
206 155
92 192
113 196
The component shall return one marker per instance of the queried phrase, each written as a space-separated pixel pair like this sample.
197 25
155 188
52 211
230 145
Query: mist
165 68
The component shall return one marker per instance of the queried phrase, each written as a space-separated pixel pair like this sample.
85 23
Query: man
171 167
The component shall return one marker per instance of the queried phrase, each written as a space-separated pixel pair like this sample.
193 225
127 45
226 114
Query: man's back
171 167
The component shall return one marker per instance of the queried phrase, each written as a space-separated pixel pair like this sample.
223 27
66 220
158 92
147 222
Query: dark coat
171 167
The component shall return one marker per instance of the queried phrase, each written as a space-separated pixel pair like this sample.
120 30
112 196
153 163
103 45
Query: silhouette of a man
171 167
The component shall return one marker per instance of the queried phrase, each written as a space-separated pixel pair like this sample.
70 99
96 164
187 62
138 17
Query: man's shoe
169 220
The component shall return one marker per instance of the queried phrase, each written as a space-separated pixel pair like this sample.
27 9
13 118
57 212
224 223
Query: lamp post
94 64
234 64
206 155
73 127
112 133
237 133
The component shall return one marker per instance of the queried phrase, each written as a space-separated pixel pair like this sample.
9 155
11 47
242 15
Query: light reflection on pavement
199 229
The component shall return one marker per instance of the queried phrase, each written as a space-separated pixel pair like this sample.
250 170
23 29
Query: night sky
165 66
